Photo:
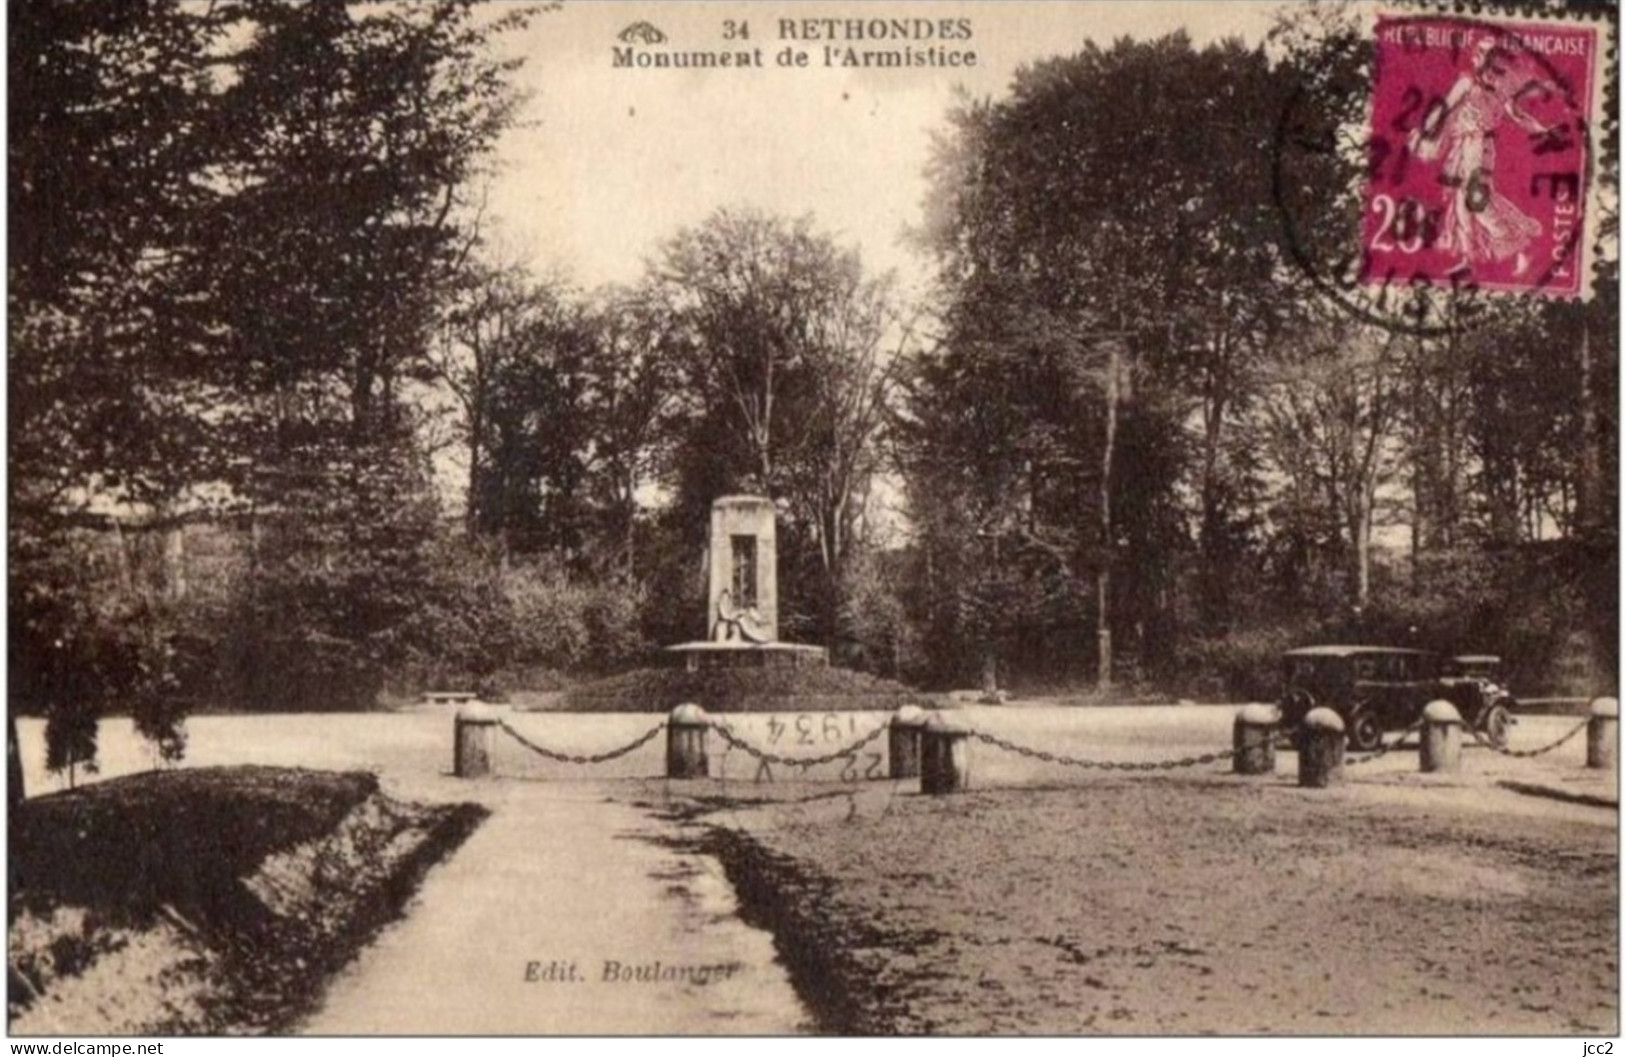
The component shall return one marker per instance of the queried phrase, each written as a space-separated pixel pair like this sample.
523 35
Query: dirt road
1193 905
561 916
1042 902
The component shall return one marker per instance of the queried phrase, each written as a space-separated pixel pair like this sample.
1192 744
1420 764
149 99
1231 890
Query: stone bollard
474 732
903 741
944 756
1320 749
1254 739
1602 734
685 743
1441 738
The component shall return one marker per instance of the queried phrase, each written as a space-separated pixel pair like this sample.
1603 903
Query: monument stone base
702 656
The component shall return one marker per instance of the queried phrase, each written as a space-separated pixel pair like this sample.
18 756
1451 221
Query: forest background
1122 447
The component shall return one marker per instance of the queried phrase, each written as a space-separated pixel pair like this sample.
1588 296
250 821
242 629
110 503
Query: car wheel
1365 733
1494 726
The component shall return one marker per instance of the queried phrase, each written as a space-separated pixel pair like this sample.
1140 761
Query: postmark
1479 154
1123 448
1476 159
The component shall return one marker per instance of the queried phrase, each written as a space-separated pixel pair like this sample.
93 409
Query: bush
83 645
547 612
875 632
1526 604
1242 666
502 627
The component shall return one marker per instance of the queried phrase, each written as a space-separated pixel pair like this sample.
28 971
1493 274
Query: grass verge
207 901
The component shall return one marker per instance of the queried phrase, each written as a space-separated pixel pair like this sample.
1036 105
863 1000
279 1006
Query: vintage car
1377 689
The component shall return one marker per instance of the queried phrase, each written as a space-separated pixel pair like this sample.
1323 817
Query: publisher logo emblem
642 33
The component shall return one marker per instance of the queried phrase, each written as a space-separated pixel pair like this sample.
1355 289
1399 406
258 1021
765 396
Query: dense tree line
235 224
1127 440
756 355
1159 434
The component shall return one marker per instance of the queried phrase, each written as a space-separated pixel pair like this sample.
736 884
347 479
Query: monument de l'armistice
742 665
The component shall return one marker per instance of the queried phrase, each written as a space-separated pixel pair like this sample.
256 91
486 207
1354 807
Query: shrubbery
515 625
78 650
290 616
305 614
466 620
1528 605
1242 666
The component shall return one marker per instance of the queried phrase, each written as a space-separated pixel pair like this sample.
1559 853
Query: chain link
565 757
1103 765
806 762
1526 753
803 762
1384 749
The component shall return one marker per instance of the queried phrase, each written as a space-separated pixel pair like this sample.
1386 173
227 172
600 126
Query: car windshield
1476 667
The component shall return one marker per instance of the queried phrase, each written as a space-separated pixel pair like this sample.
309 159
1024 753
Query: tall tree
987 437
350 135
635 400
1333 413
1112 217
790 351
231 222
105 158
501 340
108 393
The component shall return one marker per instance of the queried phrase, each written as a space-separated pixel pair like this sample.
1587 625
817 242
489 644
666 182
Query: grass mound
182 837
741 690
207 901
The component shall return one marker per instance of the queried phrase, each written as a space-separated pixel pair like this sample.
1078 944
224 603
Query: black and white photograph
1070 519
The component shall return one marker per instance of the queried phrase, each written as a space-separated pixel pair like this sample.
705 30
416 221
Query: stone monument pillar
743 578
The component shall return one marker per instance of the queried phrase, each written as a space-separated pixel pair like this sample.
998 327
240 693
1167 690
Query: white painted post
1320 752
1441 738
1602 734
1254 738
903 741
474 733
685 742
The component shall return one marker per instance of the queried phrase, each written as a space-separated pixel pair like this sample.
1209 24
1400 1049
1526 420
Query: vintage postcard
769 518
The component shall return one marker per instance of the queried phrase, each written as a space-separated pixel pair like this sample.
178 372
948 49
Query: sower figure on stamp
1480 224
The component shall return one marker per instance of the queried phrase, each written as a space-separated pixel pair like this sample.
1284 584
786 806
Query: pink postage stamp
1480 154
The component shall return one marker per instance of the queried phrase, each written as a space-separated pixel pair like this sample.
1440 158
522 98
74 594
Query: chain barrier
565 757
1387 747
804 762
807 762
1526 753
1103 765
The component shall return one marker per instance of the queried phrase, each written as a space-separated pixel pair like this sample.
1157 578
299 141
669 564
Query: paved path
562 886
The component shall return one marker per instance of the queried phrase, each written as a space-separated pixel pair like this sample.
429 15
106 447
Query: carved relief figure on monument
738 622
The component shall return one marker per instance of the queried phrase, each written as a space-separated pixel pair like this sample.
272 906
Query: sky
607 163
